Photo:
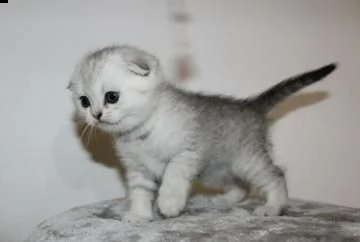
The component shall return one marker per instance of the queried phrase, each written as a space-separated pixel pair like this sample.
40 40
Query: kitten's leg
277 197
176 183
260 171
141 194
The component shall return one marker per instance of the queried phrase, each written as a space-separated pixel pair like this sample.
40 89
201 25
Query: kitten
169 137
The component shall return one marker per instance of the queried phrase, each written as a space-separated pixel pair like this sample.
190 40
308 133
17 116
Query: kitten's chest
152 148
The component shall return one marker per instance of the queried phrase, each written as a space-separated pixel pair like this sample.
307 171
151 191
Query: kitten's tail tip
330 67
324 71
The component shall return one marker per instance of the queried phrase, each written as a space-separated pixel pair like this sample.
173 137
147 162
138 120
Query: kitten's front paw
132 217
171 204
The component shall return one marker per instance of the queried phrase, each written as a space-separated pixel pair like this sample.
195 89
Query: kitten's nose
98 116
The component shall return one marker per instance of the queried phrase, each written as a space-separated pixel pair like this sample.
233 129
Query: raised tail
268 99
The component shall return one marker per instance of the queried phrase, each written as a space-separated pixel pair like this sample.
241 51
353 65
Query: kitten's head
113 88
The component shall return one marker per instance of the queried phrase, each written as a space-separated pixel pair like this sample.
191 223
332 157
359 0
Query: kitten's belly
216 174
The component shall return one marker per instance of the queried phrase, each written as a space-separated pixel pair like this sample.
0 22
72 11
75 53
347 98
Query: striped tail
268 99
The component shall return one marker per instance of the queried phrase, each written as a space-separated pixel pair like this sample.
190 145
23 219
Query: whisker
82 134
89 136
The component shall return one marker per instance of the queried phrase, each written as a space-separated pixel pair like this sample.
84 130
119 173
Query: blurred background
232 47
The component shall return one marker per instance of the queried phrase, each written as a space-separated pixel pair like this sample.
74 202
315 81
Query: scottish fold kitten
168 137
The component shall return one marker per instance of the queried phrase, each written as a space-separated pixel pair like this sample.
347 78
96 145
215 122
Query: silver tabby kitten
168 137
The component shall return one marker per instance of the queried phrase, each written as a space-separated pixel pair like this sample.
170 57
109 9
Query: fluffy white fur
168 137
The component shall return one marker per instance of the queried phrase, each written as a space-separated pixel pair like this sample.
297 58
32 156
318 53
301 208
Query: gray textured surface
304 221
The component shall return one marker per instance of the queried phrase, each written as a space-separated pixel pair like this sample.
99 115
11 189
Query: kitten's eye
111 97
84 101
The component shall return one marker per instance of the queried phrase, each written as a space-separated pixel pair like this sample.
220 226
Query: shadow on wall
100 145
295 102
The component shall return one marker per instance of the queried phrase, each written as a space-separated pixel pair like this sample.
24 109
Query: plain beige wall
241 47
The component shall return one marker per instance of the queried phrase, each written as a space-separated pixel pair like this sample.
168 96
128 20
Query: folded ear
139 67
